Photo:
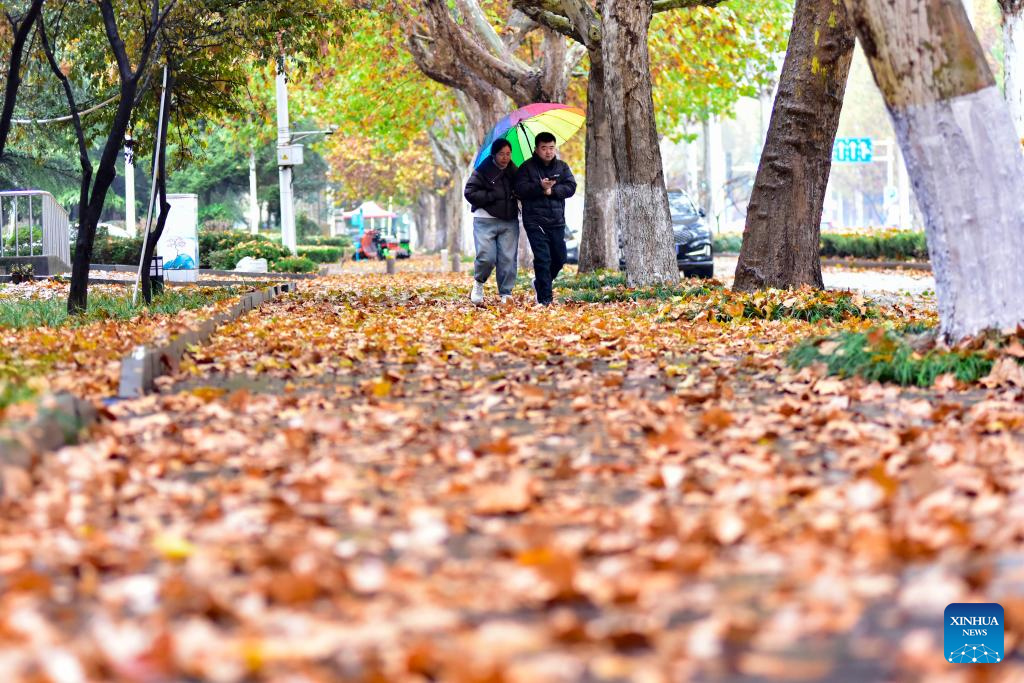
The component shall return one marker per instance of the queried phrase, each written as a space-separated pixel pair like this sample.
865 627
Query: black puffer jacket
538 208
491 189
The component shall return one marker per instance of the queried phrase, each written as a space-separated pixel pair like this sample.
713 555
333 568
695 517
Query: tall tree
640 196
962 153
132 70
580 20
21 28
780 240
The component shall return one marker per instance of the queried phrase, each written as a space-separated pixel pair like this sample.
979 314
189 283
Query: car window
681 206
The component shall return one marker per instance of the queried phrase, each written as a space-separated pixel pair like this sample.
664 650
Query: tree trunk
22 30
1013 59
599 244
782 232
641 208
90 213
962 152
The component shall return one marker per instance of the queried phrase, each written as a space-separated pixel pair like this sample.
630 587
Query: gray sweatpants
497 244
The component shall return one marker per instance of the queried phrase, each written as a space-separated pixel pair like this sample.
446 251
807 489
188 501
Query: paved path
372 480
862 280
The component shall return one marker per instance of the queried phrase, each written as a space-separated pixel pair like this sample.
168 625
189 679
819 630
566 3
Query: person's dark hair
499 144
543 138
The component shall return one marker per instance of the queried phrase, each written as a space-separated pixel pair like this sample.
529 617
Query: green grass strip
889 357
28 313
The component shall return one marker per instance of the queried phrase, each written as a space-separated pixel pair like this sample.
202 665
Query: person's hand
547 183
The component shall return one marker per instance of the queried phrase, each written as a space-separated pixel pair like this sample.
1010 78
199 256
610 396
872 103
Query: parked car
572 247
693 246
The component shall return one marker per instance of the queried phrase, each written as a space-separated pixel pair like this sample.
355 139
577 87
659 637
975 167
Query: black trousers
548 245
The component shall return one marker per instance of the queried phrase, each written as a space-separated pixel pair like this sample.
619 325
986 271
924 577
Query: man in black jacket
543 183
491 195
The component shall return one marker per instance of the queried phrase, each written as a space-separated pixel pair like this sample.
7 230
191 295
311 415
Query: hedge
294 264
895 245
321 254
227 259
321 241
107 250
891 245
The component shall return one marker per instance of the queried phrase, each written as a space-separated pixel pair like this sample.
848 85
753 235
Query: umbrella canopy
522 126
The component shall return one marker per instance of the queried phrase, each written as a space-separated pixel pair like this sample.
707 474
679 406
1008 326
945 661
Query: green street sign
852 151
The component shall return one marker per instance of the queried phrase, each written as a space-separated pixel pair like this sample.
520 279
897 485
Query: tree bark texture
962 153
782 232
642 211
1013 59
599 245
22 30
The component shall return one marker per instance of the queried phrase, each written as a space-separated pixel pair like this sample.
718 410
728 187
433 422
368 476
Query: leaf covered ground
372 480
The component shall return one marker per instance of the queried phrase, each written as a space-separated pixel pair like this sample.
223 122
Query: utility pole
131 227
284 141
289 154
254 205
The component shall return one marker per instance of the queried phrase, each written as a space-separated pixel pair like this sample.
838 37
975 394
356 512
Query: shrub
107 250
323 241
227 259
728 243
306 227
294 264
897 245
25 240
216 225
322 254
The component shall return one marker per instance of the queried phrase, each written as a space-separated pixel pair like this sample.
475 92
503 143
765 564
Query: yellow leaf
173 547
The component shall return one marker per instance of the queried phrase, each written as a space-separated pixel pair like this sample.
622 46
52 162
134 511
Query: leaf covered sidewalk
372 480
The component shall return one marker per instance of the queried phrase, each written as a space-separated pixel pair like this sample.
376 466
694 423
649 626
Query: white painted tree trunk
962 153
642 209
1013 63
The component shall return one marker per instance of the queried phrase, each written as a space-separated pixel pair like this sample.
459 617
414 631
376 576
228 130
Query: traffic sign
852 151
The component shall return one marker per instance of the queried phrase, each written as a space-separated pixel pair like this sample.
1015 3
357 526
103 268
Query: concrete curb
60 419
141 367
209 271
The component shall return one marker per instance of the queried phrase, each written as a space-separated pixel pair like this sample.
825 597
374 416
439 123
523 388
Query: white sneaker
506 299
477 296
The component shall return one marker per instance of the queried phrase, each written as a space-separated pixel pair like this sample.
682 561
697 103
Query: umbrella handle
528 140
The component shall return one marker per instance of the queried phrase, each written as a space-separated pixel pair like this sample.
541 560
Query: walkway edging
141 367
58 422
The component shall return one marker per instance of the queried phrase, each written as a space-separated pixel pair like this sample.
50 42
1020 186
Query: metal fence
32 223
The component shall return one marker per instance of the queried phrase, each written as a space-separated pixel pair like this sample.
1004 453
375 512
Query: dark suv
693 243
694 246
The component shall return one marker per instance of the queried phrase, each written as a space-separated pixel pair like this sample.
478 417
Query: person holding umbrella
543 124
492 197
543 183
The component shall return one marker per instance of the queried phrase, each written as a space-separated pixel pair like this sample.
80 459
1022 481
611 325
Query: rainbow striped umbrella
522 126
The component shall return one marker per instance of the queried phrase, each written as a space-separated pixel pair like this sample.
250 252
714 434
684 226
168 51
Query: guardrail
32 223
